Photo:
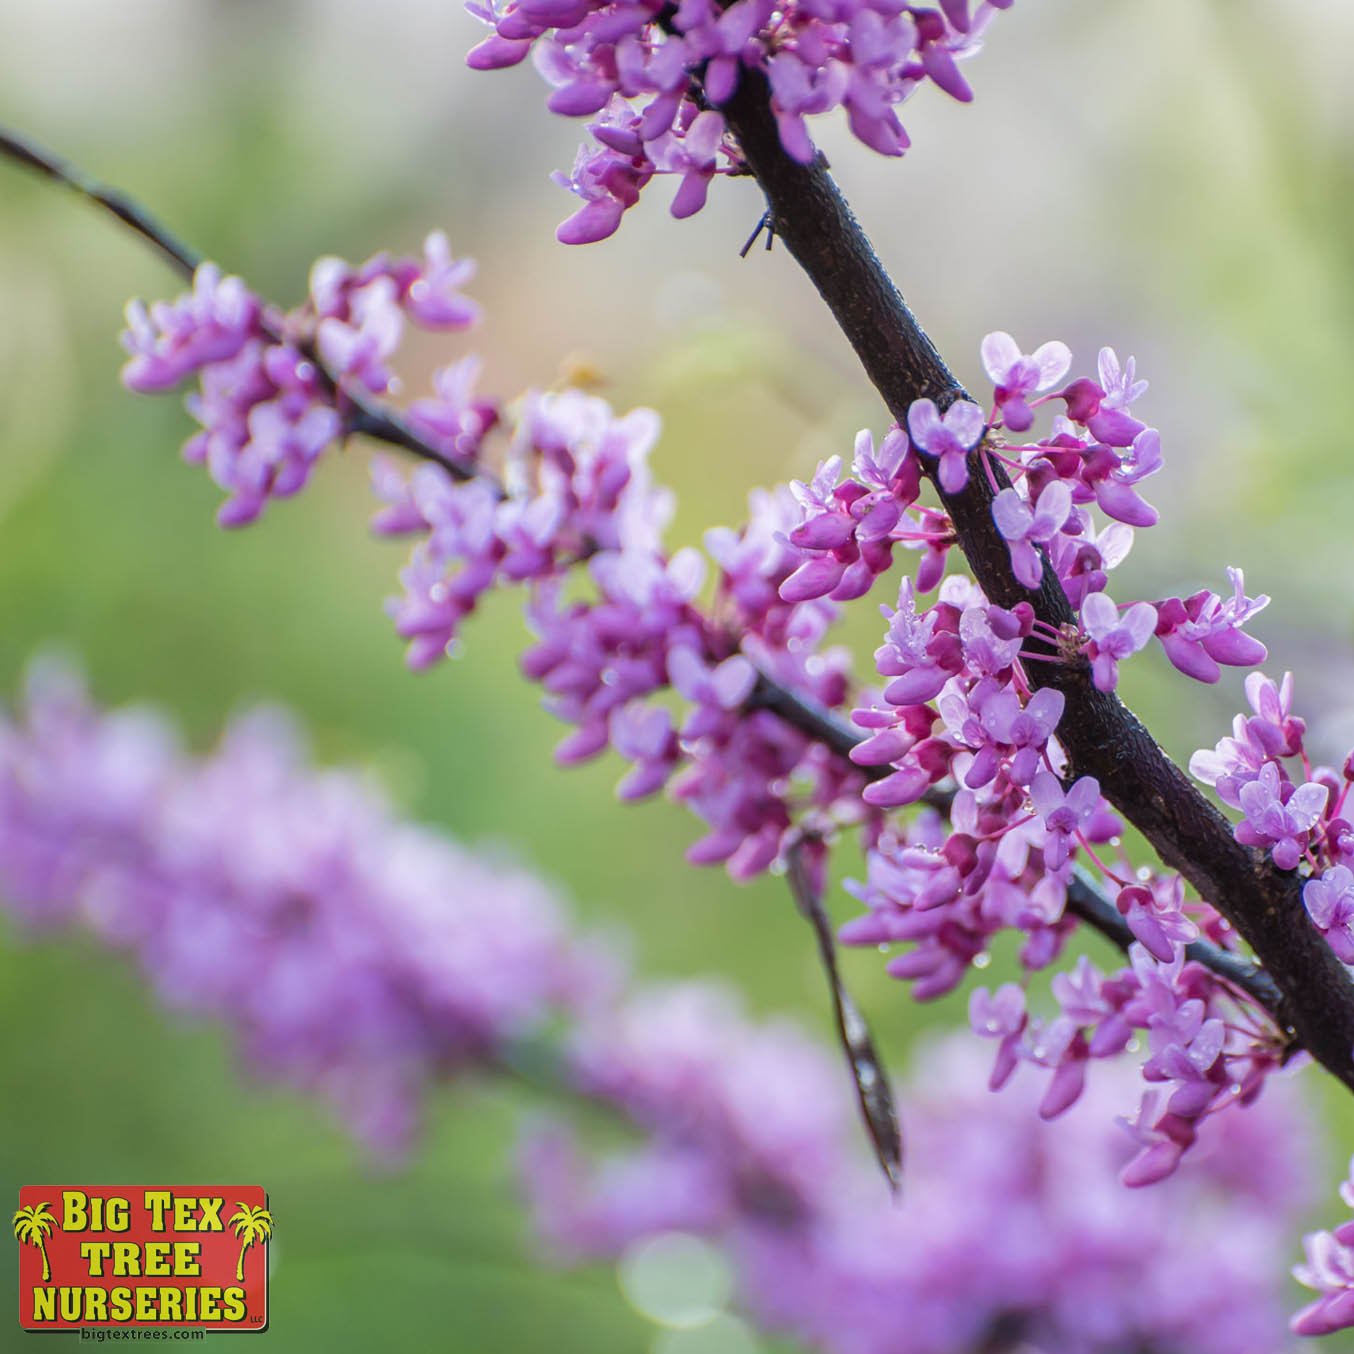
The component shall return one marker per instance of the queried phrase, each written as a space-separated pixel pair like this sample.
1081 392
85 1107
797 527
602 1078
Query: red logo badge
143 1255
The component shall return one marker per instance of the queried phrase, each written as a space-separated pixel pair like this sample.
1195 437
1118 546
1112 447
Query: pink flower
1000 1016
1025 528
1063 813
212 323
1329 900
949 438
1114 637
1278 815
1017 376
1201 631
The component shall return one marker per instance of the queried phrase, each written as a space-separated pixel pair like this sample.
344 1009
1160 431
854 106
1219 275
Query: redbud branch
1101 736
921 372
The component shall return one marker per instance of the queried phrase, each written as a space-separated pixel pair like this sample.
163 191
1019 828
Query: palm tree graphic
33 1224
252 1222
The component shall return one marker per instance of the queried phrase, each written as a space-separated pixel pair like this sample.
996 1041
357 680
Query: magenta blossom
1112 423
1114 637
1025 528
1156 917
1279 815
1064 813
1330 1270
1000 1015
212 323
1330 904
1201 631
1017 376
949 438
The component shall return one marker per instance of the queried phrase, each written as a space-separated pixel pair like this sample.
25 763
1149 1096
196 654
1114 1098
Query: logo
155 1255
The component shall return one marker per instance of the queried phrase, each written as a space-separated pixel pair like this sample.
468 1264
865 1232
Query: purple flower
1063 813
798 89
1156 917
693 155
1330 1270
1025 528
212 323
914 655
1279 815
1114 637
1083 562
1112 423
643 734
609 183
1202 631
1026 729
359 345
1000 1016
1162 1139
949 438
1274 728
434 297
1329 899
1017 376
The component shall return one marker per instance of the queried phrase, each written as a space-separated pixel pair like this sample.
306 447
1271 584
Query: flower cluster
1290 808
573 499
1095 456
1206 1049
273 388
964 723
1250 772
576 519
350 954
584 503
654 79
1005 1227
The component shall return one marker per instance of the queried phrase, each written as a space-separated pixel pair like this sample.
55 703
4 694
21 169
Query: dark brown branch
385 425
1102 737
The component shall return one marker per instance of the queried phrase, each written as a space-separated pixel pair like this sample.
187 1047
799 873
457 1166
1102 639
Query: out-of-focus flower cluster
1330 1270
1010 1232
350 954
360 958
655 77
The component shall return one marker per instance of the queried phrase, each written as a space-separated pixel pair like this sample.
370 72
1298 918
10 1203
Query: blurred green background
1173 179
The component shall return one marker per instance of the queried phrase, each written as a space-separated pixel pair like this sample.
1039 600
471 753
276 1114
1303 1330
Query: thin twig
20 149
868 1074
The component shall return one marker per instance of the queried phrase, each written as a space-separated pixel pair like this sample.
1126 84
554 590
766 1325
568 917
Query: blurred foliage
269 133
